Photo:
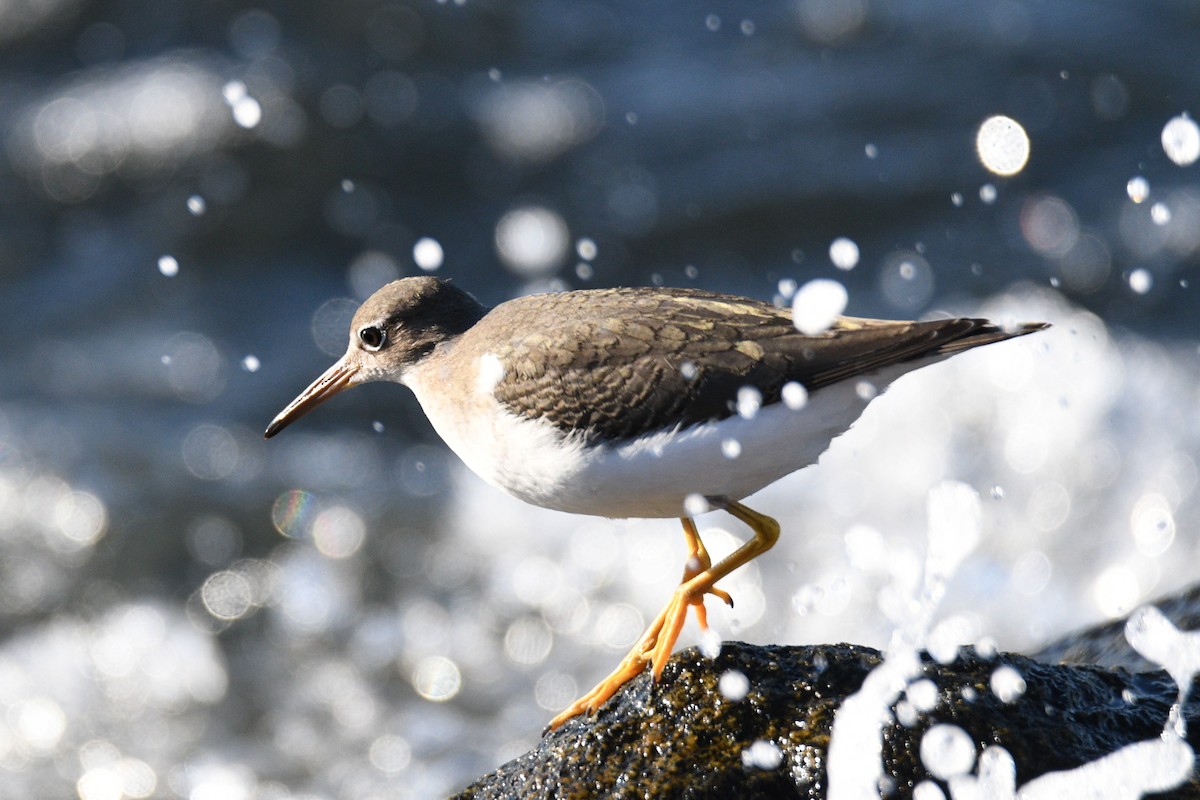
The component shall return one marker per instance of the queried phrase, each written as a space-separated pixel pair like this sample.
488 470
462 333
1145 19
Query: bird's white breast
530 459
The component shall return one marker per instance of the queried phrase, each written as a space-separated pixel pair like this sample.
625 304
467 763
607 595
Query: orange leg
699 577
698 561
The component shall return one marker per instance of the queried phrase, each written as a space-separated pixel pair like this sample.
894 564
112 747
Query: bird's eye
372 337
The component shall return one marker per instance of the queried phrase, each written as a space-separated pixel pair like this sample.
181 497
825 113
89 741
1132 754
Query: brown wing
619 363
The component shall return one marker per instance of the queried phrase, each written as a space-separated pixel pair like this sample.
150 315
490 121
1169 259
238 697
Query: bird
624 402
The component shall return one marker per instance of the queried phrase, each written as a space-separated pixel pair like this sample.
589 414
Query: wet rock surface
1106 646
684 738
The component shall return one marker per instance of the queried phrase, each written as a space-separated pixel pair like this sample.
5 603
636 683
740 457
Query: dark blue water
290 155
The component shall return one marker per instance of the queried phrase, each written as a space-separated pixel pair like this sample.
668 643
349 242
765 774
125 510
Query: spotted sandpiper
624 402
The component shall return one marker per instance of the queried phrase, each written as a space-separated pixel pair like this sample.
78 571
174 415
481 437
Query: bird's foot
653 648
699 579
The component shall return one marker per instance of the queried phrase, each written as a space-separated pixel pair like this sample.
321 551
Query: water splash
856 741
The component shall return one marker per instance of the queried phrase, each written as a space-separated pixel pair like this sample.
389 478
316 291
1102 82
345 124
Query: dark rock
682 738
1106 646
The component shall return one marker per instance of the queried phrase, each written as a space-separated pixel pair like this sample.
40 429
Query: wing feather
618 363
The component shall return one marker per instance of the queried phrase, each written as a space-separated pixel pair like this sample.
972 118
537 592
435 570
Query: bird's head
394 329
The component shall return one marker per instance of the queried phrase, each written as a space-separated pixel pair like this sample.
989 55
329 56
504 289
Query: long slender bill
338 377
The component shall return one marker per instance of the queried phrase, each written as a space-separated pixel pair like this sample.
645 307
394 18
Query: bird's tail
977 332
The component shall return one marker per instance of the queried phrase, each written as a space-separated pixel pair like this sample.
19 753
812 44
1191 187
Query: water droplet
709 644
247 113
906 714
528 640
1002 145
1181 140
390 754
554 690
227 595
957 199
1007 684
250 363
923 694
928 790
1152 524
1116 590
618 625
1138 189
1049 225
987 193
293 511
100 783
865 390
947 751
427 254
233 91
532 241
749 401
794 395
843 252
1160 213
138 778
1141 281
906 280
731 448
695 504
168 266
817 305
210 452
81 518
338 532
733 685
763 755
436 678
586 248
196 205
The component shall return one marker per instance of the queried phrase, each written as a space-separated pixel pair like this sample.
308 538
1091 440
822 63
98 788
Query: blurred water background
195 196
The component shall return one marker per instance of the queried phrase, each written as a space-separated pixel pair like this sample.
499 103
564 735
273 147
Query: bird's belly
733 458
651 476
